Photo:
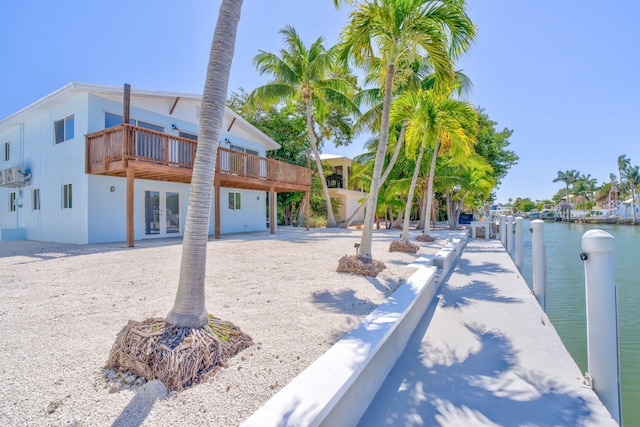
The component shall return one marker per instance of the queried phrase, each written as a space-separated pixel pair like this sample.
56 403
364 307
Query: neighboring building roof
324 156
56 98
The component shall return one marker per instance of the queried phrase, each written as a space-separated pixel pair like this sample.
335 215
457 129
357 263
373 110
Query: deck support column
272 210
130 187
307 202
216 207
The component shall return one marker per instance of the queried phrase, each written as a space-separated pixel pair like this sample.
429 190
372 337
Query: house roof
57 97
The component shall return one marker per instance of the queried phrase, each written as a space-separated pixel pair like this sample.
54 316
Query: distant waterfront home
338 183
90 164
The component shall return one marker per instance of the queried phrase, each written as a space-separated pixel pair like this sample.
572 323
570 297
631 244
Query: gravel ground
62 306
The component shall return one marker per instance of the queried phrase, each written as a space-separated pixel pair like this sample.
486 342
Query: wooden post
272 210
216 200
126 103
307 196
130 186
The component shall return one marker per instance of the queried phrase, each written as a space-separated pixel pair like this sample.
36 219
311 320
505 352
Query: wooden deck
132 152
164 157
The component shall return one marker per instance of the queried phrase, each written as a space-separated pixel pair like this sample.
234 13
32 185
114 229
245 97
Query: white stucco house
338 183
72 170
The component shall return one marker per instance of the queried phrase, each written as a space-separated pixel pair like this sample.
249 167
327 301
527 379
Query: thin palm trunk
407 210
189 307
367 230
331 220
432 169
384 177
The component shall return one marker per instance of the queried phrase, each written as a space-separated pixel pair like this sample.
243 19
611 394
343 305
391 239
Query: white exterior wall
252 216
98 214
51 166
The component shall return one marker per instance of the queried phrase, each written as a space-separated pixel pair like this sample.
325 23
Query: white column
503 232
519 241
539 262
598 248
509 244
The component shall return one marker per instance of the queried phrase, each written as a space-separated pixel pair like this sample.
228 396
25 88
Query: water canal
566 298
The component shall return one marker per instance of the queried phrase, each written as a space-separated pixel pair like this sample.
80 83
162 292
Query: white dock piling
503 230
598 248
539 262
509 244
519 241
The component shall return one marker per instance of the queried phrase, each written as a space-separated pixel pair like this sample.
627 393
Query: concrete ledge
8 234
338 387
446 256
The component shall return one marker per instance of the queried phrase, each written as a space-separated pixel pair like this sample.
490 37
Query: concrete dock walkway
485 354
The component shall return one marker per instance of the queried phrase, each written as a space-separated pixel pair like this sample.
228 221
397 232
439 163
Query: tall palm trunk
331 220
386 173
189 308
367 230
412 188
427 219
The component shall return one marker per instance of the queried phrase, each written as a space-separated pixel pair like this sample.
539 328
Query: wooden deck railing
127 142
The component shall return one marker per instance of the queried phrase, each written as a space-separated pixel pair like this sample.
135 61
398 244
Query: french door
162 214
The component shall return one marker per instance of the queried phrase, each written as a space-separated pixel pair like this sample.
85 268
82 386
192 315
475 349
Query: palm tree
399 30
632 175
185 346
311 77
585 186
623 163
568 177
189 309
440 124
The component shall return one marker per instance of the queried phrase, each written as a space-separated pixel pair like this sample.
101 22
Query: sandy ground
62 306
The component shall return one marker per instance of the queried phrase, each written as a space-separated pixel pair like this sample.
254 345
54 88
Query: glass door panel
151 213
172 213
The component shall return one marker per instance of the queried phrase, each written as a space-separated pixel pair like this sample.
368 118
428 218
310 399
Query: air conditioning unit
14 176
3 177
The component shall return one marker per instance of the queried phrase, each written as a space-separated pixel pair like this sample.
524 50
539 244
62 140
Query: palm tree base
354 264
403 246
179 357
425 238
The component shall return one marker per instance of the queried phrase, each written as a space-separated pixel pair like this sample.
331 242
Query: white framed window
35 202
243 149
113 119
63 129
67 196
12 201
7 151
234 201
188 135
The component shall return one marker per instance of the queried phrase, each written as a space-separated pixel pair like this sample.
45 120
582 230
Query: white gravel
62 306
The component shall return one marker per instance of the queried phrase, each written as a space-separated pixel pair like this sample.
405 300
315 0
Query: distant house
338 183
72 170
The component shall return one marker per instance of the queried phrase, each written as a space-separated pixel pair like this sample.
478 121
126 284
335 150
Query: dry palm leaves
425 238
353 264
179 357
403 246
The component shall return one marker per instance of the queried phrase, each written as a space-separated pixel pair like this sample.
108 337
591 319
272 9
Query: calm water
566 298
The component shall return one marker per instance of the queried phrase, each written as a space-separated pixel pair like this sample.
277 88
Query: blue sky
561 74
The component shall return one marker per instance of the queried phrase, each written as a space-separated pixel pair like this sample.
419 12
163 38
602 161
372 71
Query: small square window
67 196
7 151
12 201
63 129
234 201
36 199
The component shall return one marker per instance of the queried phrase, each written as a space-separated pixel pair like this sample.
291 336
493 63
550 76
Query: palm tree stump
403 246
179 357
354 264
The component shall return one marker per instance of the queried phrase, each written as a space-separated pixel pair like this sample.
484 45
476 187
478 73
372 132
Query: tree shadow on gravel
344 302
137 410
